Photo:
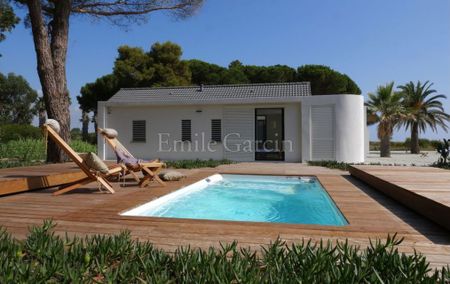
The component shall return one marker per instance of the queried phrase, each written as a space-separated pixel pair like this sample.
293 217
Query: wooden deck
16 180
425 190
86 211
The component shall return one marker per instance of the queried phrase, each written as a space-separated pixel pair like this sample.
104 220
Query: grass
28 152
83 147
46 258
194 164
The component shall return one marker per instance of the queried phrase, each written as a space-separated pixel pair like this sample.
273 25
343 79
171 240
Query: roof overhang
234 101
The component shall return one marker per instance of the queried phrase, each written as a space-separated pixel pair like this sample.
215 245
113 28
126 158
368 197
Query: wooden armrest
152 164
115 169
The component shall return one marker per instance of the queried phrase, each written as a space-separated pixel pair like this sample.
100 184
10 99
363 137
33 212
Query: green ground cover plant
330 164
336 165
29 152
47 258
194 164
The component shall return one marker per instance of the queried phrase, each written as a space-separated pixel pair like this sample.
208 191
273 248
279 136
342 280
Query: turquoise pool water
275 199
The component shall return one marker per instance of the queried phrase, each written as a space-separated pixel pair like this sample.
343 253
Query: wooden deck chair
150 169
91 175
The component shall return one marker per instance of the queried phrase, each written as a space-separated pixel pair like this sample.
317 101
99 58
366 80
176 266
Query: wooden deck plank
425 190
87 212
16 180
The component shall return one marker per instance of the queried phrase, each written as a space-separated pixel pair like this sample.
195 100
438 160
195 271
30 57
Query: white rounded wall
349 126
349 111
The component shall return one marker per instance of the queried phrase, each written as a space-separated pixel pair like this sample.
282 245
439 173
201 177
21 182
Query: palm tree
385 108
423 108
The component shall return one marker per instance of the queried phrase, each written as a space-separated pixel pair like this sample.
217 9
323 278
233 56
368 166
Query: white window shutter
323 133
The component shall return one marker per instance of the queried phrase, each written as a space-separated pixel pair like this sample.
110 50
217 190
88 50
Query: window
216 130
186 130
138 131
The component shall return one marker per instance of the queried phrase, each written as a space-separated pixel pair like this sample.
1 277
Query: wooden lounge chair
150 169
91 175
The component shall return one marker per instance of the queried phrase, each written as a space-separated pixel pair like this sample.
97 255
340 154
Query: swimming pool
254 198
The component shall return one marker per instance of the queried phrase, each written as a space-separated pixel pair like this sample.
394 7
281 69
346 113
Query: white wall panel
322 133
239 132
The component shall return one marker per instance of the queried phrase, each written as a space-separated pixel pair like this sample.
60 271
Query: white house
279 121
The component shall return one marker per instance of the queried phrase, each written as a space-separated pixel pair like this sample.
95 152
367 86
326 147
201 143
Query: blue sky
374 42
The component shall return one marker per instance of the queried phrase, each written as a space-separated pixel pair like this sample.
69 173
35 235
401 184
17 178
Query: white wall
349 126
167 119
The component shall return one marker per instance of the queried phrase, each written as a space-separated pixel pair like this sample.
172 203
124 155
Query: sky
372 41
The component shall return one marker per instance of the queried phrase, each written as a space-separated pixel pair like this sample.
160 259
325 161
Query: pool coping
353 223
180 191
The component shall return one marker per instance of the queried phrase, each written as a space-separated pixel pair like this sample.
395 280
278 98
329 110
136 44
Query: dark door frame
262 156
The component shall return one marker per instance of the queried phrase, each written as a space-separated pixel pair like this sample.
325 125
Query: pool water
274 199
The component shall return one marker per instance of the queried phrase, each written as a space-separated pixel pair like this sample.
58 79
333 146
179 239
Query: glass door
269 134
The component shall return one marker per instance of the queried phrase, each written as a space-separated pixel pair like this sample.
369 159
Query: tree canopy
206 73
238 73
8 20
16 100
50 20
163 66
270 74
100 90
326 81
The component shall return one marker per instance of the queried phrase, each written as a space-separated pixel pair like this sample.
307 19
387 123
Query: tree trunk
415 149
94 119
385 146
85 126
51 61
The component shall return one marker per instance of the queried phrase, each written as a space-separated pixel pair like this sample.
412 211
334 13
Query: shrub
336 165
10 132
424 144
330 164
45 257
29 152
83 147
443 148
445 166
193 164
92 138
23 149
75 134
395 146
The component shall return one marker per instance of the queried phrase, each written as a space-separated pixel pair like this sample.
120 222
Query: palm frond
423 106
385 107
